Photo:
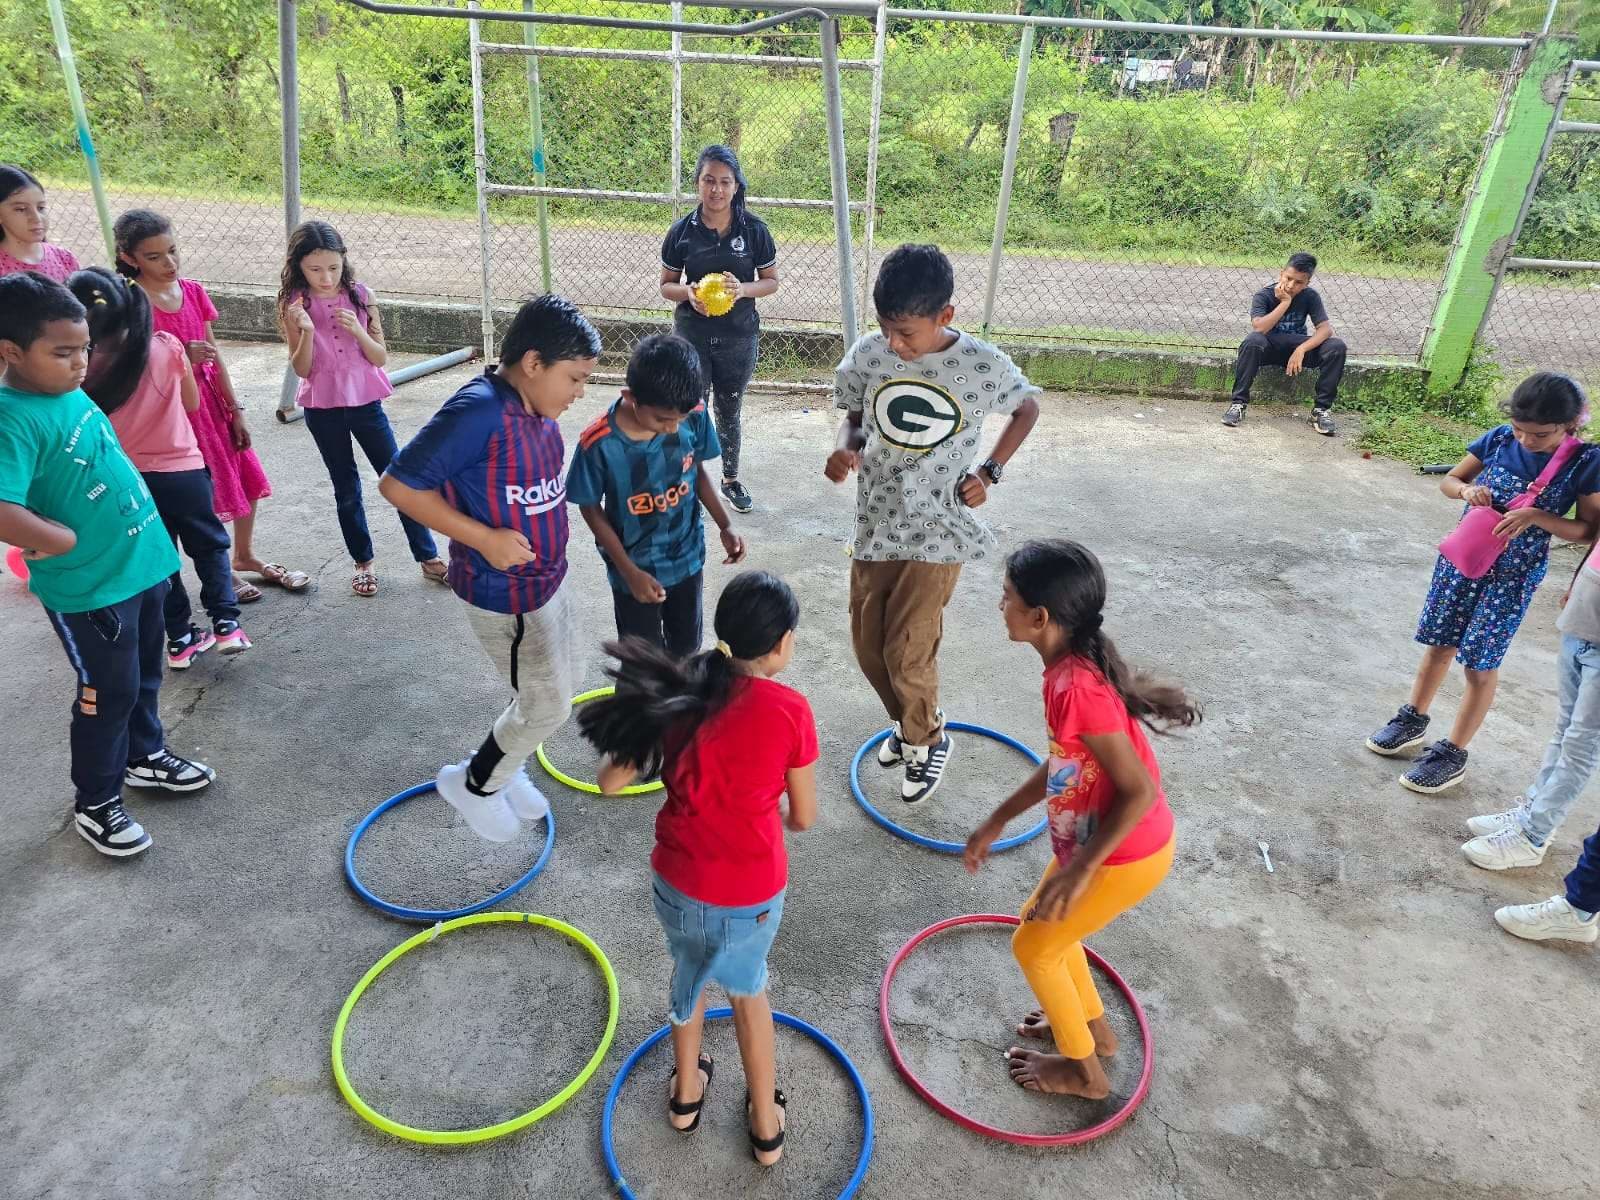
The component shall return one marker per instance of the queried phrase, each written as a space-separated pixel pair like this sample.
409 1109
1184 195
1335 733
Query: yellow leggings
1051 956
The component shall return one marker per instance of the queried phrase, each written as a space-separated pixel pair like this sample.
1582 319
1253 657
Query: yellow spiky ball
713 291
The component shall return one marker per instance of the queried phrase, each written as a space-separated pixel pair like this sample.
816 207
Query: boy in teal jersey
98 557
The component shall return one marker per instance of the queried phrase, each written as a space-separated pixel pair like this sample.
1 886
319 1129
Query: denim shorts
708 942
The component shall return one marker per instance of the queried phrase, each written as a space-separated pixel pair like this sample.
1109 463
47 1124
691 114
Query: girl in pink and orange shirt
335 342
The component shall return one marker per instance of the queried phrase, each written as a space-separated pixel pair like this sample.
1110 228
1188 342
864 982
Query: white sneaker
1552 918
1495 822
892 751
526 800
490 816
1504 850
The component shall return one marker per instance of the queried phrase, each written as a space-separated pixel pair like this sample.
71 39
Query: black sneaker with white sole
737 495
1322 422
110 830
1234 415
925 769
165 770
1441 765
1407 728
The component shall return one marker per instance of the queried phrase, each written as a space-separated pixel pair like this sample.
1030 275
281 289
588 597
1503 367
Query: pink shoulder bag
1472 546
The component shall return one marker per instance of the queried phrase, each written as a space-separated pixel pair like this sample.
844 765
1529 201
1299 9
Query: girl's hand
1518 520
346 320
735 285
734 545
240 431
298 316
1477 496
1059 893
201 352
696 303
977 851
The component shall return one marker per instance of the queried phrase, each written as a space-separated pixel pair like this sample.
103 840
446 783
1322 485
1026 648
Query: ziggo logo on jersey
644 503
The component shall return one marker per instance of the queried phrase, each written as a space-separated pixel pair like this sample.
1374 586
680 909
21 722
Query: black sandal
760 1146
680 1109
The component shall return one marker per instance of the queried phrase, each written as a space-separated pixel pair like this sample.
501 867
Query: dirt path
238 242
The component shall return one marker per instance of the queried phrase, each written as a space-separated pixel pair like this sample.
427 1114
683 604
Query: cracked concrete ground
1352 1025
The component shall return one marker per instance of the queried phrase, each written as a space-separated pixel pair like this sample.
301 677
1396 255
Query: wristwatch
992 471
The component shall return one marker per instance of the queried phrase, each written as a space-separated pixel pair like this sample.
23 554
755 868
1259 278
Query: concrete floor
1353 1025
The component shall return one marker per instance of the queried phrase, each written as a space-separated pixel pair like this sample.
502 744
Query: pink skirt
237 479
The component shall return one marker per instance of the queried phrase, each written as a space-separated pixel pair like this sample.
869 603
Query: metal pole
429 365
1549 16
480 167
69 69
836 169
530 37
675 182
1019 97
874 124
289 102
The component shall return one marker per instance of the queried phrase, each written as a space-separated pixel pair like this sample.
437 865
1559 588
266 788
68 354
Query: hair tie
99 296
724 649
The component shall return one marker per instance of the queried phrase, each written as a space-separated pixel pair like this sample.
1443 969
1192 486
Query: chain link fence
1160 178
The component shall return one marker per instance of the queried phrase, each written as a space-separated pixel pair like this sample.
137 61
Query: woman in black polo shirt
721 237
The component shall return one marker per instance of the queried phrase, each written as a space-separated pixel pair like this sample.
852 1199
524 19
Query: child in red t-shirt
1110 825
729 741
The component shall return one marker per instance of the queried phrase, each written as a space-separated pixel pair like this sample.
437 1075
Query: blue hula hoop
434 914
717 1014
942 847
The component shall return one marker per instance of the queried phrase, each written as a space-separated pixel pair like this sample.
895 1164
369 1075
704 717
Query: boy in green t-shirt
98 554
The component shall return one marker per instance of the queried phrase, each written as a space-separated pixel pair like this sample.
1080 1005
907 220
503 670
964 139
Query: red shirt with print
1079 700
719 837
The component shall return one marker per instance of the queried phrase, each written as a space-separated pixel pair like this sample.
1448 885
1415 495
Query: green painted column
1491 218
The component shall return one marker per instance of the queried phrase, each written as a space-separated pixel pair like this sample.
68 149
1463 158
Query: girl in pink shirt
23 225
335 342
148 254
1110 826
142 382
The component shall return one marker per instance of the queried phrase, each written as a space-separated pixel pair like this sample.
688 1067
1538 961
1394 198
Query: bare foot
1037 1025
1058 1075
253 565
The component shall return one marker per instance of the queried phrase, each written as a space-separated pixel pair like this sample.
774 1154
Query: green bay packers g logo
915 416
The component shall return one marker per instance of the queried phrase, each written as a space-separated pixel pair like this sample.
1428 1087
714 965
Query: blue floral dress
1481 616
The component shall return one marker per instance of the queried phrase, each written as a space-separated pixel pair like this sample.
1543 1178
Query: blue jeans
1573 754
1583 881
184 500
708 942
333 430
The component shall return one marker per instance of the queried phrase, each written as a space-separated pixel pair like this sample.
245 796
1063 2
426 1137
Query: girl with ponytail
1110 826
729 741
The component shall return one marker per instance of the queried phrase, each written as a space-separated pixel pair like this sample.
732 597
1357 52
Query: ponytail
1067 581
119 322
661 700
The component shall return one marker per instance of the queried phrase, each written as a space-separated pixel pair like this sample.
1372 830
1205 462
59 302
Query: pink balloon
17 565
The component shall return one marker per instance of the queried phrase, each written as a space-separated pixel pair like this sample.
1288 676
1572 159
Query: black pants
1273 350
184 500
674 624
726 365
118 654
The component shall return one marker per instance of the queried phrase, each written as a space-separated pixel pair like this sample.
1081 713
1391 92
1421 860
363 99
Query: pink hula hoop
1077 1137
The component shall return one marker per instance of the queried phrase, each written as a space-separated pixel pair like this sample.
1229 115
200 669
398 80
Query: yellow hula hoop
458 1137
583 785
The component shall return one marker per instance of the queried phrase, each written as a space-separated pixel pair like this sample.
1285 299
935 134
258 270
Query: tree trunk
977 128
401 132
345 116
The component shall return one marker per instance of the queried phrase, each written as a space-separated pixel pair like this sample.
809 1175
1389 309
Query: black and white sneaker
165 770
1441 765
892 751
1322 422
110 830
737 495
1234 415
925 769
1407 728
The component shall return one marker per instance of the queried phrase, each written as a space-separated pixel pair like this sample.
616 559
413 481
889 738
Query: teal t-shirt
60 458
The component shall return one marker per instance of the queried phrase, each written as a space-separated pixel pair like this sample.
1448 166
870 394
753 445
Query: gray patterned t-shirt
923 421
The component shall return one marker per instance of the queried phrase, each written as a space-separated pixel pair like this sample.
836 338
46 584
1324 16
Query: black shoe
110 830
1234 415
737 495
1441 765
1322 422
1408 728
925 768
165 770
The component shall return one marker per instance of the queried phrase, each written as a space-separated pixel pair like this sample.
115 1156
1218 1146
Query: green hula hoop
459 1137
583 785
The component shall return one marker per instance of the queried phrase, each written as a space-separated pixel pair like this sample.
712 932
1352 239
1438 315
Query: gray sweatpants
537 653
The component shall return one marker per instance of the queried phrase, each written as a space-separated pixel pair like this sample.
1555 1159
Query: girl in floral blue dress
1474 620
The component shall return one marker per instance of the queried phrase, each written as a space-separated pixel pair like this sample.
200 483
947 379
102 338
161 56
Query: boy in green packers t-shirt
98 555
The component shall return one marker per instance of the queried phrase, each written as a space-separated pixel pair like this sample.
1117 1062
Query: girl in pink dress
335 342
23 226
147 253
